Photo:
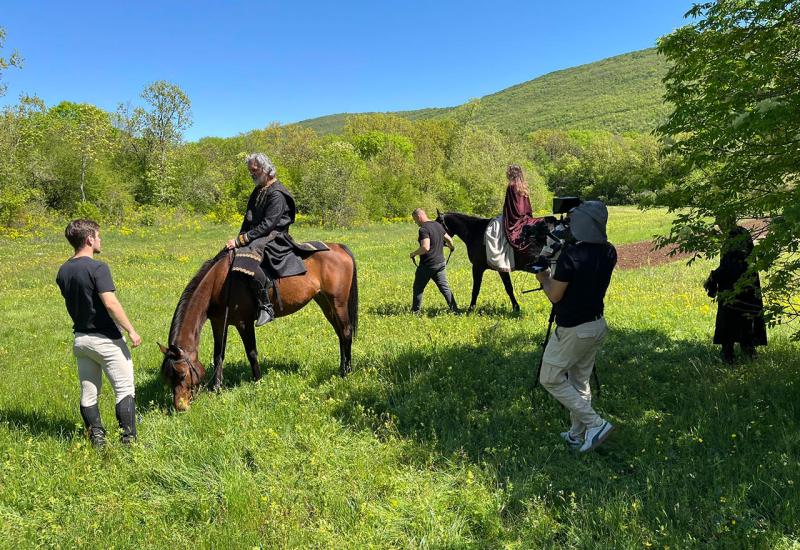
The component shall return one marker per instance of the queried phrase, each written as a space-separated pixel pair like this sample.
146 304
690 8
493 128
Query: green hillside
622 93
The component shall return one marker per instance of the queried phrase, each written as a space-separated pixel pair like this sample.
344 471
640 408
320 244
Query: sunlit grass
437 438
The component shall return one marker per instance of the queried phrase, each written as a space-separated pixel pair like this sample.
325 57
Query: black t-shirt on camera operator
587 268
435 232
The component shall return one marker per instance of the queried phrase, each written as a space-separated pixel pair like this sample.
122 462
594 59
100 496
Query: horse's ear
175 350
438 214
163 349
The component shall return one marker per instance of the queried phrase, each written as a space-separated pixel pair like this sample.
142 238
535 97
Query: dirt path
641 254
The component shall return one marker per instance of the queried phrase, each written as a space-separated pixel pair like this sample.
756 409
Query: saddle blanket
499 252
246 260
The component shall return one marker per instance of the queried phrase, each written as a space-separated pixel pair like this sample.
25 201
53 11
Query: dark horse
471 230
330 281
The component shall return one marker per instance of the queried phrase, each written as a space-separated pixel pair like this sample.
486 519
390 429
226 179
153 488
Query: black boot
749 351
126 416
265 311
94 426
727 353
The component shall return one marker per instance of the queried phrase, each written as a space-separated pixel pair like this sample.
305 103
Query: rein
414 260
194 372
227 308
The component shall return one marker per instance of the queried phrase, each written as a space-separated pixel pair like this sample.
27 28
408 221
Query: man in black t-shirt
97 317
577 288
432 265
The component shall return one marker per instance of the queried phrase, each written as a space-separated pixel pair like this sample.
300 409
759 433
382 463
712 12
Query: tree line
78 160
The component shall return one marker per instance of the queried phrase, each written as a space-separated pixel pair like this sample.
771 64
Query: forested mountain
618 94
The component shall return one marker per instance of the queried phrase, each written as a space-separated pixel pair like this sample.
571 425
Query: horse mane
183 302
466 217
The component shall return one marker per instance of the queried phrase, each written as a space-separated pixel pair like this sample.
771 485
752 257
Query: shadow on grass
38 424
674 403
479 400
395 309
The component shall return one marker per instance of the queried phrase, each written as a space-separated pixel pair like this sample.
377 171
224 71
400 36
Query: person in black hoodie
577 289
740 309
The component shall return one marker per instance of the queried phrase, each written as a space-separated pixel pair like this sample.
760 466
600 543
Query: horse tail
352 300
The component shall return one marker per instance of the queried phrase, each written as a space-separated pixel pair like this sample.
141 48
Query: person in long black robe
265 251
740 309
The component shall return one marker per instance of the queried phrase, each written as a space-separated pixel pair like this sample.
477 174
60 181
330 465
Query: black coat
740 314
265 230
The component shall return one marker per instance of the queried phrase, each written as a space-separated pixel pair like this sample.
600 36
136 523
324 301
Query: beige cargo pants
571 351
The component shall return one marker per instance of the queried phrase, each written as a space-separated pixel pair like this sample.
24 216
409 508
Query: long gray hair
263 161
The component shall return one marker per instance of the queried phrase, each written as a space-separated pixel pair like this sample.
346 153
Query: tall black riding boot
265 311
126 416
94 426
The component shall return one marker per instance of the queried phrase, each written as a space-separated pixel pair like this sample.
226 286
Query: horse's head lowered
184 371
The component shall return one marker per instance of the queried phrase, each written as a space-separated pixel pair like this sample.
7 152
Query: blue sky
246 64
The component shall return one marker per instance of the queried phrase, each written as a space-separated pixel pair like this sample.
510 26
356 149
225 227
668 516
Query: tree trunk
83 177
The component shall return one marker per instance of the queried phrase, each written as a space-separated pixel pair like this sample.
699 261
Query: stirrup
265 315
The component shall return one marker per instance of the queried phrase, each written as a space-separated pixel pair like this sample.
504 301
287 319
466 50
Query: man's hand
540 265
231 244
412 254
117 313
136 340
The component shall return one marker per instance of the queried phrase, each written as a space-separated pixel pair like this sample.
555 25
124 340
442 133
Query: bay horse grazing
330 280
472 230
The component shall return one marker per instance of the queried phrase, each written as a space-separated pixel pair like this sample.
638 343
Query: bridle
194 372
443 223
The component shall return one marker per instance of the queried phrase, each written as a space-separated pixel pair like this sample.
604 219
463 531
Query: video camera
551 234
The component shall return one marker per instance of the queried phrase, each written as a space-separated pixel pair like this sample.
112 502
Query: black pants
421 278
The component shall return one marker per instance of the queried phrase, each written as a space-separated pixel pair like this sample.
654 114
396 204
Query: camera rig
551 234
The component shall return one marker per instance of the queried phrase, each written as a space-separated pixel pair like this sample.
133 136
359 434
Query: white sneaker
572 441
596 436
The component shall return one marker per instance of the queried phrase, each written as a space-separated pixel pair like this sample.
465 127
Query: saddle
257 265
246 261
306 249
499 253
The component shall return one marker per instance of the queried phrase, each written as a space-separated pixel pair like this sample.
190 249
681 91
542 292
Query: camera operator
577 289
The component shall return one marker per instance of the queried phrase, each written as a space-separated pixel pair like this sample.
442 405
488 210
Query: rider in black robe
740 313
264 235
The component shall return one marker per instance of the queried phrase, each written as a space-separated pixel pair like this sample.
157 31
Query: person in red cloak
517 212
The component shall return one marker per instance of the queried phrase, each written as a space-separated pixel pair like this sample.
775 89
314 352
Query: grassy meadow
436 440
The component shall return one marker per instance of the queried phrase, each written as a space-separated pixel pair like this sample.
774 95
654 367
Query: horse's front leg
477 279
219 352
248 333
506 278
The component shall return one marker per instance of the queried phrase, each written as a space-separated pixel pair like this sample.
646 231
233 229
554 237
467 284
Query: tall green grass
437 439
